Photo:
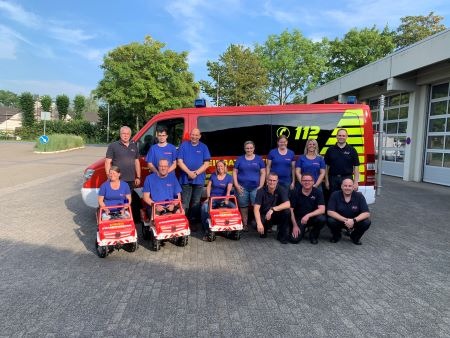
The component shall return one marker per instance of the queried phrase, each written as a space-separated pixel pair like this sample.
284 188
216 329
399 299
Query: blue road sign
43 139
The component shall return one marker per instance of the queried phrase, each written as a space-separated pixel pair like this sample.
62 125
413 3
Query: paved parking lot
53 284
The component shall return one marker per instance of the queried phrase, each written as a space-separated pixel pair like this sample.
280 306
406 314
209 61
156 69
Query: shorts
247 198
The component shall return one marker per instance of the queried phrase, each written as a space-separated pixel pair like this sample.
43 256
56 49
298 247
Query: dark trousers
281 218
190 198
315 224
358 229
135 203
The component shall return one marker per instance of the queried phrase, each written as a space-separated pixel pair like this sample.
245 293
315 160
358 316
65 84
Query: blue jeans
247 198
190 198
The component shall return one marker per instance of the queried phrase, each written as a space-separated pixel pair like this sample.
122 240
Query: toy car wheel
183 241
102 251
236 235
131 247
156 245
145 232
211 236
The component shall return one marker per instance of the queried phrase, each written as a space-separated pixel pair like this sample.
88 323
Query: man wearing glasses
161 150
307 210
272 207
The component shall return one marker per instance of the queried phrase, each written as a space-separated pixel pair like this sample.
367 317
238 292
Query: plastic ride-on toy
117 232
167 226
224 219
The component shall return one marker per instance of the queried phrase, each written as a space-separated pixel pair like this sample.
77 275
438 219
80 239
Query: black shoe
283 241
314 241
334 239
263 236
358 242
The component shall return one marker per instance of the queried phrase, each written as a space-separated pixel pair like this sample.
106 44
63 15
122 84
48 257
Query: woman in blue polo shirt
311 163
113 192
281 161
248 175
220 184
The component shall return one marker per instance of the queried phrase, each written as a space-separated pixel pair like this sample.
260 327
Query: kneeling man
348 209
272 207
307 210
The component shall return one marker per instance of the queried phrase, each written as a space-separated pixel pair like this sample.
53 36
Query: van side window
225 135
300 127
175 129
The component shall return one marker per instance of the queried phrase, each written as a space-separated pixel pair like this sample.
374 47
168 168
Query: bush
60 142
89 132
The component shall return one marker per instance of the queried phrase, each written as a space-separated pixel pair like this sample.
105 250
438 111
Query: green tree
9 99
62 105
91 104
143 79
239 78
359 48
416 28
26 104
46 103
79 103
294 64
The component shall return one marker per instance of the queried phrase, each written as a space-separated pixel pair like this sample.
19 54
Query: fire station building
415 82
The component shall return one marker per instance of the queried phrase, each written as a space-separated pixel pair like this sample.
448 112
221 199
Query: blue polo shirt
157 153
162 188
249 171
310 166
193 157
114 197
282 165
219 187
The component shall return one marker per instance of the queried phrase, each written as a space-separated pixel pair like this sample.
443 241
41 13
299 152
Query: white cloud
91 54
17 13
69 35
57 30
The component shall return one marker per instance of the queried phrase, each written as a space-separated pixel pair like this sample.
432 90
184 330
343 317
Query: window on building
395 125
438 131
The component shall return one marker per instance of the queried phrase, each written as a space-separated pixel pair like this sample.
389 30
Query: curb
57 151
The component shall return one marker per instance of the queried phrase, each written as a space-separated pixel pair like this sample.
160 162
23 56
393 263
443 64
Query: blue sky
56 47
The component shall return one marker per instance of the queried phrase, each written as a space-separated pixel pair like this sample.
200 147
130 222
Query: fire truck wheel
211 236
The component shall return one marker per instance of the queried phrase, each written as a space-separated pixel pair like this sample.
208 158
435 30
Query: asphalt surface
53 284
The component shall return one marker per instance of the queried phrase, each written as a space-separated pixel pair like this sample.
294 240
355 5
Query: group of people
283 191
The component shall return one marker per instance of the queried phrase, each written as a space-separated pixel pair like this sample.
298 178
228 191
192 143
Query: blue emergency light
351 99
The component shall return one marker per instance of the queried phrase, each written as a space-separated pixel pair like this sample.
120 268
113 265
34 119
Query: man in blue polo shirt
161 150
193 160
161 186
